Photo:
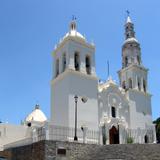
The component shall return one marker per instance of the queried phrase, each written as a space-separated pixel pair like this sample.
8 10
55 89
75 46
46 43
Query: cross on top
73 18
128 13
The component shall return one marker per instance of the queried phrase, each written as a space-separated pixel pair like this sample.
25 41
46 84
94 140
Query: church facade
119 112
85 109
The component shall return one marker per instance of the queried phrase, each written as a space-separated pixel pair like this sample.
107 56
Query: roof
129 40
74 33
36 115
108 83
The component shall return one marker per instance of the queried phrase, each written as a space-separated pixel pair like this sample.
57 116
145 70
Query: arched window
139 84
124 85
126 61
88 65
138 60
64 62
130 83
57 67
127 35
144 85
76 61
113 111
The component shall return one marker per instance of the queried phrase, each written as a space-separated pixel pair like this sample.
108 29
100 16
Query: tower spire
129 27
131 51
128 17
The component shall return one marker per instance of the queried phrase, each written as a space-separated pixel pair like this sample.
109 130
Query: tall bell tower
133 74
133 79
74 74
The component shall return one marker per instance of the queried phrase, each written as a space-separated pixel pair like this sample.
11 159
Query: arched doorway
114 135
146 139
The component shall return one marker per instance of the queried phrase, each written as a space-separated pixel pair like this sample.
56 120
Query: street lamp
75 136
84 100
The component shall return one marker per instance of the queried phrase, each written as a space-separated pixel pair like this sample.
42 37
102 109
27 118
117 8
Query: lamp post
76 100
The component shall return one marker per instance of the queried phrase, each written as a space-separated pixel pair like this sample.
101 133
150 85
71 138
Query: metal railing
61 133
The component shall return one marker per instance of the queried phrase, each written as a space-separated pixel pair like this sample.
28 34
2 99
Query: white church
84 109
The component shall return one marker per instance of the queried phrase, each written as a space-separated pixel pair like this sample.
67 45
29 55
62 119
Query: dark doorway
114 135
146 139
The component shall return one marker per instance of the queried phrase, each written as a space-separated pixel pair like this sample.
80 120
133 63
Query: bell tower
133 74
134 80
74 75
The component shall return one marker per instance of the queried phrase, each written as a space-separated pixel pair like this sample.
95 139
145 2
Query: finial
73 18
73 23
108 69
37 106
128 17
128 13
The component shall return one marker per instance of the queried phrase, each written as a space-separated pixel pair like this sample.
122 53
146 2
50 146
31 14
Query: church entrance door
114 135
146 139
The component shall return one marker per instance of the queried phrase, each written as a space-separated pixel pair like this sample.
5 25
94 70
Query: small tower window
64 62
113 110
130 83
144 85
126 61
139 84
88 65
127 35
138 60
124 85
57 67
76 62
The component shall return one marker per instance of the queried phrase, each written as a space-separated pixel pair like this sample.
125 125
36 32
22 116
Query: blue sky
29 29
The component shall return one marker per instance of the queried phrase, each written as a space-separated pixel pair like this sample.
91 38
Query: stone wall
6 154
35 151
47 150
77 151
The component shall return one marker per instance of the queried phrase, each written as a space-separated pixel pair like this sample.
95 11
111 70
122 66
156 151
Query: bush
129 140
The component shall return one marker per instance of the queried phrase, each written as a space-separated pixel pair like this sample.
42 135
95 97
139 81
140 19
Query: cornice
133 66
74 39
70 71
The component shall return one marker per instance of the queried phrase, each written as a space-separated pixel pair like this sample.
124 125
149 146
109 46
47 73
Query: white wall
10 133
140 109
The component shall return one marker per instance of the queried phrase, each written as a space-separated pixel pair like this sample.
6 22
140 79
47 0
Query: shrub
129 140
